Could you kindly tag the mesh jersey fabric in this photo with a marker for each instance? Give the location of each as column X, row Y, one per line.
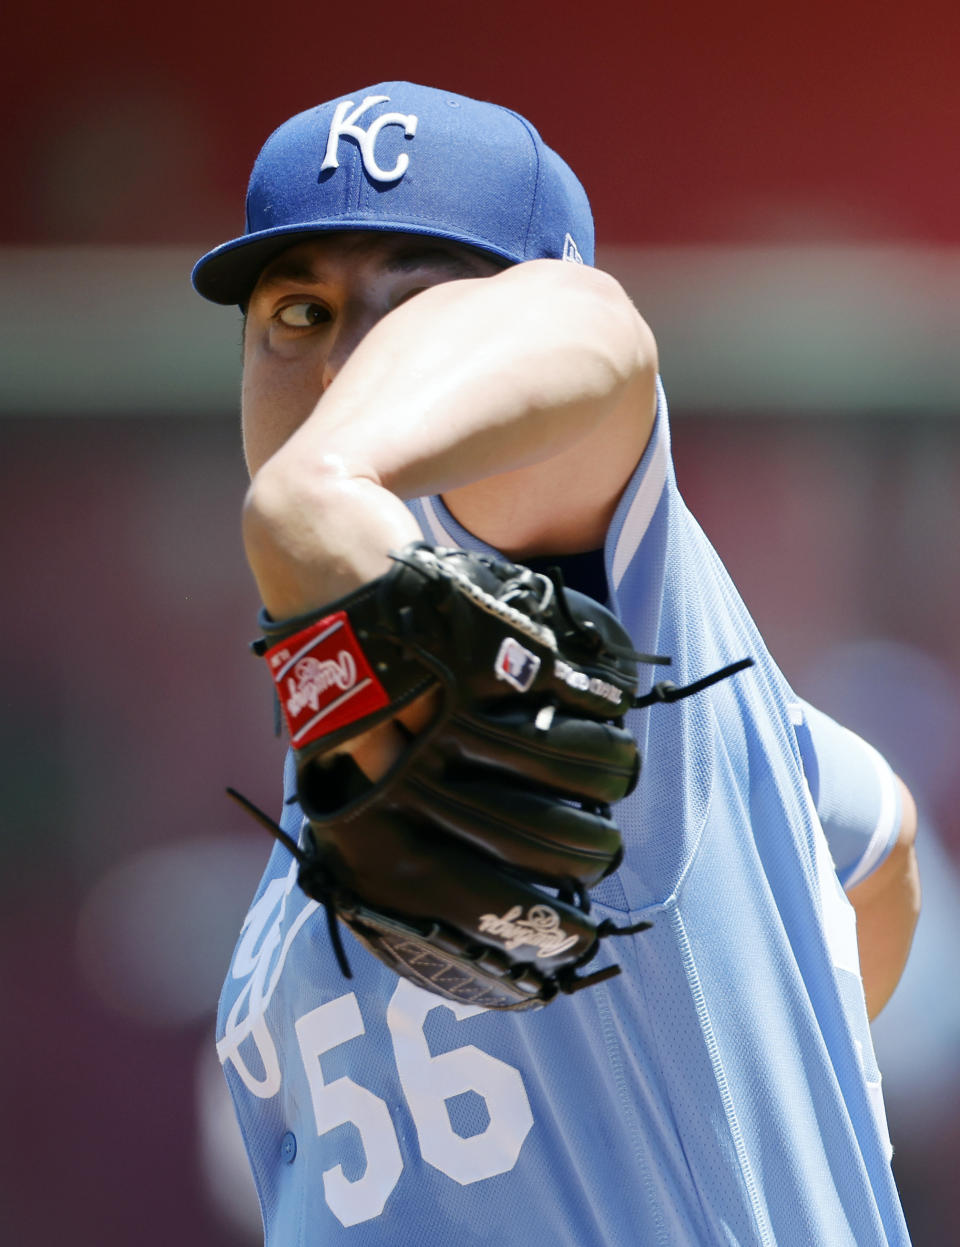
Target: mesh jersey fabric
column 722, row 1090
column 853, row 787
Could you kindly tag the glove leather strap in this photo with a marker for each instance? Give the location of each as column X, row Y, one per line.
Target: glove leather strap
column 324, row 679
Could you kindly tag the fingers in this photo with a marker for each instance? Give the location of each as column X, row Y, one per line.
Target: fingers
column 376, row 751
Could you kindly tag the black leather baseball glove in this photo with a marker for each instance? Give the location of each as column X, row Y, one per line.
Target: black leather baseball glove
column 466, row 868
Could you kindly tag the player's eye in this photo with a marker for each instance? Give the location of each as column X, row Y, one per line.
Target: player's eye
column 303, row 315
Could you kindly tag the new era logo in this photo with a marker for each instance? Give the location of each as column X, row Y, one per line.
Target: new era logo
column 571, row 252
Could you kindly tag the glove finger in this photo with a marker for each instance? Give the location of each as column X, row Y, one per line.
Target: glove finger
column 547, row 839
column 399, row 867
column 595, row 671
column 578, row 757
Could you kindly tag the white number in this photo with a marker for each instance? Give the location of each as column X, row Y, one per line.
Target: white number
column 345, row 1101
column 429, row 1081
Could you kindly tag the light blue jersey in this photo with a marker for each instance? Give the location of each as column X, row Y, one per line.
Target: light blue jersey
column 722, row 1090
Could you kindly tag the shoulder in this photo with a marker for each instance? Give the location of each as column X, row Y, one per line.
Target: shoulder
column 864, row 808
column 565, row 502
column 598, row 296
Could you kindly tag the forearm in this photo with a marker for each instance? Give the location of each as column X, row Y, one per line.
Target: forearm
column 474, row 378
column 466, row 381
column 887, row 906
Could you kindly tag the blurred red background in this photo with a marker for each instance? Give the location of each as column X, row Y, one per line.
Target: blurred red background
column 687, row 122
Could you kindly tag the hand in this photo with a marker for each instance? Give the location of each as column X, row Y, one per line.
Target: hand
column 376, row 751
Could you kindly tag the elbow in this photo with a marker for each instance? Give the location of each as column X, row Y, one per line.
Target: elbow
column 287, row 507
column 267, row 523
column 265, row 512
column 314, row 532
column 292, row 485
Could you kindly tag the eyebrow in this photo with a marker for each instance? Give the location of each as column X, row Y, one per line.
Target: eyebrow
column 405, row 260
column 414, row 257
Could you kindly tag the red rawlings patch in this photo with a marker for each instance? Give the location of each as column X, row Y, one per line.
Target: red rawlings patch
column 323, row 679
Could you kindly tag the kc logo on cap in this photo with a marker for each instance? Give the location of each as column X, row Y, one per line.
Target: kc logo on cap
column 344, row 124
column 464, row 170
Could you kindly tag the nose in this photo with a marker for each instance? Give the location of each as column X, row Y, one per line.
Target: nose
column 351, row 328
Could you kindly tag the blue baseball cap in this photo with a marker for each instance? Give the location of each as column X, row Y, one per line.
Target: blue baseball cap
column 408, row 159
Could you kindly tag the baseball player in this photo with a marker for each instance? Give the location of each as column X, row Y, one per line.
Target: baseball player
column 430, row 356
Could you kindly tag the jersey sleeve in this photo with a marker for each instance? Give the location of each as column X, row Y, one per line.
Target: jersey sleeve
column 854, row 790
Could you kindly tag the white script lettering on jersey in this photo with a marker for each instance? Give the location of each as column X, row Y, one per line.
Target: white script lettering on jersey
column 312, row 677
column 540, row 929
column 268, row 931
column 344, row 124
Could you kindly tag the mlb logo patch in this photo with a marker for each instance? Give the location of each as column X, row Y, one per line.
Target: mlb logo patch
column 516, row 665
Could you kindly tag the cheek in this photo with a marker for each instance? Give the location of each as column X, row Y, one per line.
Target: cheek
column 276, row 397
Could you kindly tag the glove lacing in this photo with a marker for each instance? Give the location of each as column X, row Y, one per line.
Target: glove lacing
column 330, row 897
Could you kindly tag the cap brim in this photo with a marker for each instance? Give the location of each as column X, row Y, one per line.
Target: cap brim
column 228, row 273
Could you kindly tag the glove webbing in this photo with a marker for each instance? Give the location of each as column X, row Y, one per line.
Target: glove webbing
column 665, row 691
column 498, row 607
column 331, row 898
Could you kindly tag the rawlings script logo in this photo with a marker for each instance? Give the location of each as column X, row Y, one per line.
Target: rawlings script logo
column 587, row 684
column 311, row 678
column 345, row 123
column 540, row 929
